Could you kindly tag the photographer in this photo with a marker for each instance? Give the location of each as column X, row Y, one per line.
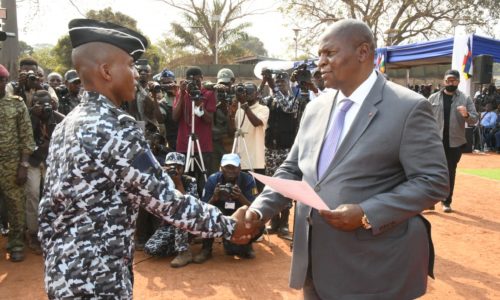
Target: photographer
column 228, row 189
column 69, row 93
column 251, row 119
column 169, row 88
column 43, row 121
column 221, row 137
column 191, row 91
column 30, row 80
column 145, row 108
column 168, row 239
column 280, row 135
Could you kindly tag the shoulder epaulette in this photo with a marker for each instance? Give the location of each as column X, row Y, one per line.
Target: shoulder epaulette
column 15, row 97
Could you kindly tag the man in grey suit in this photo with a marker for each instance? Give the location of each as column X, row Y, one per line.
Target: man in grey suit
column 389, row 166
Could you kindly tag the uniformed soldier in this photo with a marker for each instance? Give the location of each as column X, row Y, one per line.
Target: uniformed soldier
column 16, row 145
column 100, row 170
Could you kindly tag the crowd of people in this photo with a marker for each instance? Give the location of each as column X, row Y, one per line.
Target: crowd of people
column 206, row 136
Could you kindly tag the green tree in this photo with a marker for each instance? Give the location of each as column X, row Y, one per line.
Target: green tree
column 47, row 60
column 393, row 22
column 63, row 48
column 204, row 34
column 25, row 49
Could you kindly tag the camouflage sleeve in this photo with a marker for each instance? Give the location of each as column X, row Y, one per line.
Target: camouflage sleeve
column 127, row 160
column 25, row 131
column 287, row 103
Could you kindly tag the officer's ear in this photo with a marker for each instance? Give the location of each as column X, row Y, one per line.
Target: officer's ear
column 104, row 70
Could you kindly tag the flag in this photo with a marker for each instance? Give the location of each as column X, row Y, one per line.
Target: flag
column 467, row 61
column 380, row 60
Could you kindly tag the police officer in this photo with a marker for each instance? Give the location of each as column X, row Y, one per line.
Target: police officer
column 16, row 145
column 100, row 170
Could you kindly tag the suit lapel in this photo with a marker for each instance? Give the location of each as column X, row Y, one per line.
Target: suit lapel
column 323, row 119
column 363, row 119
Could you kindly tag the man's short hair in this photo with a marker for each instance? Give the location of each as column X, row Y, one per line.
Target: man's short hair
column 28, row 61
column 193, row 71
column 54, row 74
column 41, row 93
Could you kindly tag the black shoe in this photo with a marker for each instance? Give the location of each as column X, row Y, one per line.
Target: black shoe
column 16, row 256
column 249, row 254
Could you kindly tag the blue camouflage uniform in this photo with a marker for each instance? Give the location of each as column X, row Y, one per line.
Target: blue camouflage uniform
column 100, row 170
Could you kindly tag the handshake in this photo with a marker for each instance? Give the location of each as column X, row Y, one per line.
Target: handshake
column 248, row 226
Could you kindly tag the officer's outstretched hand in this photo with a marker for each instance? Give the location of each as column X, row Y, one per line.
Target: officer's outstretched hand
column 244, row 230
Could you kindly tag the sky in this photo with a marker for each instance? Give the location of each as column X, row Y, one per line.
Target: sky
column 153, row 17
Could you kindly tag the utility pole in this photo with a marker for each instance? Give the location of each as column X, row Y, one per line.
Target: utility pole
column 296, row 39
column 9, row 53
column 216, row 19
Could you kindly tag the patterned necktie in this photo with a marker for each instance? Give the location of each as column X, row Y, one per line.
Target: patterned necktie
column 332, row 139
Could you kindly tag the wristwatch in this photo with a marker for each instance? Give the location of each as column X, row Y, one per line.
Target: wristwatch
column 24, row 164
column 366, row 222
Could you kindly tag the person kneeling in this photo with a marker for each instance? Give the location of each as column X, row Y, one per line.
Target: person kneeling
column 228, row 190
column 168, row 239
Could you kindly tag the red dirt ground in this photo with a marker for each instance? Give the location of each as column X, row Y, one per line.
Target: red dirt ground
column 466, row 241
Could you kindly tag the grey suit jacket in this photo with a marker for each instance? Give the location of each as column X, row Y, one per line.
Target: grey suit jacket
column 392, row 163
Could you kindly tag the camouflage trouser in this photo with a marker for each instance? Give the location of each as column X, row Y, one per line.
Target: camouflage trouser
column 274, row 159
column 166, row 241
column 14, row 200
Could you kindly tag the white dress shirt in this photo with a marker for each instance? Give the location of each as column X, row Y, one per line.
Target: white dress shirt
column 358, row 97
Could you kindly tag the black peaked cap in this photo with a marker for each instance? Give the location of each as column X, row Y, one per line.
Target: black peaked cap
column 82, row 31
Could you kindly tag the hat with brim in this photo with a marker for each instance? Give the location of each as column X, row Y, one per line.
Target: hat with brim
column 452, row 73
column 175, row 158
column 232, row 159
column 71, row 76
column 82, row 31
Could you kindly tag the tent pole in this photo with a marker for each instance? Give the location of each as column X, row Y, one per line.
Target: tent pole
column 407, row 76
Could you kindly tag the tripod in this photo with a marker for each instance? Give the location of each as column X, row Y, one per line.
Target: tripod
column 239, row 137
column 193, row 142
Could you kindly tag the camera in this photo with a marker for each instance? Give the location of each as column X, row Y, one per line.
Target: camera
column 32, row 76
column 240, row 89
column 47, row 108
column 193, row 89
column 226, row 189
column 156, row 87
column 61, row 91
column 302, row 74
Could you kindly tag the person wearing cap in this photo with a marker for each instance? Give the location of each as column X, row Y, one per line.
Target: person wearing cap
column 16, row 145
column 101, row 170
column 73, row 95
column 228, row 189
column 43, row 121
column 168, row 239
column 169, row 88
column 452, row 109
column 204, row 108
column 221, row 138
column 280, row 133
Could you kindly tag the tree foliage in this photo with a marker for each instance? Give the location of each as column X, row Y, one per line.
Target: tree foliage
column 394, row 22
column 204, row 35
column 25, row 49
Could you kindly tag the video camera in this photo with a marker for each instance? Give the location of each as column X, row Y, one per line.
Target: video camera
column 61, row 91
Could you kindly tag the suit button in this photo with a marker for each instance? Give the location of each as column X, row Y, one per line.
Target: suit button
column 317, row 188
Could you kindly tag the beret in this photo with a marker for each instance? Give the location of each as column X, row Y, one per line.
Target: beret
column 82, row 31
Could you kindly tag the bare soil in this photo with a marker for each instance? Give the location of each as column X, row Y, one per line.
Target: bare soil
column 466, row 241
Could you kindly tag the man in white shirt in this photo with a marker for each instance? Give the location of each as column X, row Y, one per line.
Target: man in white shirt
column 249, row 122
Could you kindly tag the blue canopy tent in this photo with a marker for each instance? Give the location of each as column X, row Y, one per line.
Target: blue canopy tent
column 435, row 52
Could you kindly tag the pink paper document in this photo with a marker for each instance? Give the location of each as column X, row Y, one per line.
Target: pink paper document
column 293, row 189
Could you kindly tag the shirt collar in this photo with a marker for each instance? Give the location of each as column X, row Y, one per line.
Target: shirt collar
column 360, row 93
